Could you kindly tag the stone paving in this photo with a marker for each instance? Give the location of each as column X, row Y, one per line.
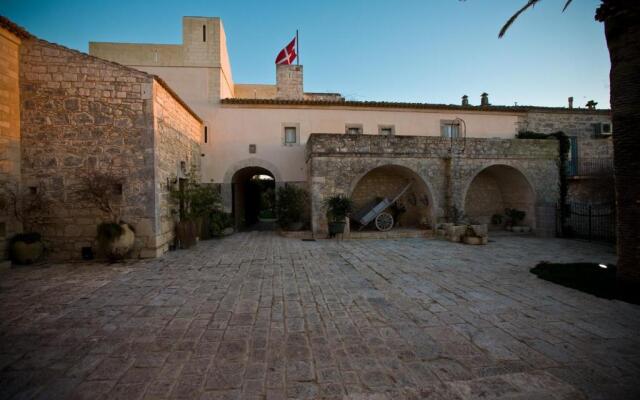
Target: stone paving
column 258, row 316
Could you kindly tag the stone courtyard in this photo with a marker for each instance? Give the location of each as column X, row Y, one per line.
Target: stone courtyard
column 257, row 316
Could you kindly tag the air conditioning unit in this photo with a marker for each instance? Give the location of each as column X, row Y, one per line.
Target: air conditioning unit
column 603, row 129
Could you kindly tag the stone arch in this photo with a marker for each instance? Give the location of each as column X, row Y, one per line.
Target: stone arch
column 249, row 164
column 252, row 162
column 387, row 179
column 492, row 188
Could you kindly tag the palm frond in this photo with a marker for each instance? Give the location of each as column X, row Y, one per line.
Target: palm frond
column 530, row 3
column 566, row 5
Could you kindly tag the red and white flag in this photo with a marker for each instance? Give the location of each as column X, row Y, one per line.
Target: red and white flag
column 288, row 54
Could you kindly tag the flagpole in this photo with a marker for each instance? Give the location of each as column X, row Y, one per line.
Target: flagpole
column 297, row 49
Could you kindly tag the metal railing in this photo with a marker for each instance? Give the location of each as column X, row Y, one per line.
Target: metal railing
column 589, row 221
column 596, row 166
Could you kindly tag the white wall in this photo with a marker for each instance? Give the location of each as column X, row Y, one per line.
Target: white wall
column 232, row 128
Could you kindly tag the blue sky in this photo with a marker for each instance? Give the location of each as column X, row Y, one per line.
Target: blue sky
column 410, row 50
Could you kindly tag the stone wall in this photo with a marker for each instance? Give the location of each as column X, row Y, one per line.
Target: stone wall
column 178, row 136
column 81, row 113
column 337, row 162
column 289, row 84
column 9, row 132
column 576, row 122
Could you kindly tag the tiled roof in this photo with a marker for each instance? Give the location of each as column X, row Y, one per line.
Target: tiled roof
column 414, row 106
column 14, row 28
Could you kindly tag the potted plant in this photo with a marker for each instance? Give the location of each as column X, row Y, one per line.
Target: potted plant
column 476, row 234
column 103, row 189
column 291, row 207
column 30, row 209
column 196, row 202
column 456, row 227
column 338, row 209
column 514, row 218
column 496, row 219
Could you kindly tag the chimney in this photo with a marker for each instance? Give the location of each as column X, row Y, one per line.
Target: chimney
column 465, row 100
column 484, row 99
column 289, row 82
column 571, row 102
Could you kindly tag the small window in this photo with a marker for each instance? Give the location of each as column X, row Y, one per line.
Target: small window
column 33, row 190
column 204, row 33
column 387, row 130
column 3, row 229
column 450, row 129
column 206, row 136
column 117, row 189
column 252, row 148
column 606, row 127
column 290, row 135
column 353, row 129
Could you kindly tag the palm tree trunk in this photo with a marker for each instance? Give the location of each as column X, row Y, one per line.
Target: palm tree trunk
column 622, row 30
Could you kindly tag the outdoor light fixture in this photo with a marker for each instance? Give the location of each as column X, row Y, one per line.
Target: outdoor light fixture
column 602, row 266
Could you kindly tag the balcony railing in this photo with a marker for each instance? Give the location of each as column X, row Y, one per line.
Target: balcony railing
column 602, row 166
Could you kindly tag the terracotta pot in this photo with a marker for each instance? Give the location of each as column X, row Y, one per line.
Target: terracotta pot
column 26, row 253
column 121, row 246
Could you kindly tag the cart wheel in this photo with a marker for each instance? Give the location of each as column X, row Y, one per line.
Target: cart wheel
column 384, row 222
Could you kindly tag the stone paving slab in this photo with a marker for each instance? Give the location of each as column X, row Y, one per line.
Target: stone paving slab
column 259, row 316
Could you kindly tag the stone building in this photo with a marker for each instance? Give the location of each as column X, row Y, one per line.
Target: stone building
column 80, row 113
column 122, row 106
column 11, row 37
column 274, row 129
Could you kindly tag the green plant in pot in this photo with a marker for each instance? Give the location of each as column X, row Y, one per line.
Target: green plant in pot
column 514, row 218
column 30, row 208
column 197, row 205
column 291, row 207
column 103, row 189
column 338, row 209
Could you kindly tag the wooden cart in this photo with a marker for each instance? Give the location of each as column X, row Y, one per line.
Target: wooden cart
column 383, row 220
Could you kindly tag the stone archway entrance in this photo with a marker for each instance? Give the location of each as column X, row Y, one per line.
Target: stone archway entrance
column 414, row 208
column 253, row 197
column 496, row 188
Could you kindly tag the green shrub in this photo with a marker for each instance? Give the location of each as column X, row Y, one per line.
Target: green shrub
column 218, row 221
column 291, row 205
column 515, row 216
column 338, row 208
column 267, row 214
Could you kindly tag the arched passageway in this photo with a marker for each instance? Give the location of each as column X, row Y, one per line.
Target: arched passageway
column 253, row 196
column 413, row 209
column 495, row 189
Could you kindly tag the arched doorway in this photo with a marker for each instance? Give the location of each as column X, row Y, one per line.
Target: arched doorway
column 414, row 209
column 253, row 198
column 495, row 189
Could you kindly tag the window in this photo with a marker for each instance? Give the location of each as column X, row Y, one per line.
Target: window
column 204, row 33
column 290, row 135
column 387, row 130
column 252, row 148
column 450, row 129
column 206, row 136
column 353, row 129
column 33, row 190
